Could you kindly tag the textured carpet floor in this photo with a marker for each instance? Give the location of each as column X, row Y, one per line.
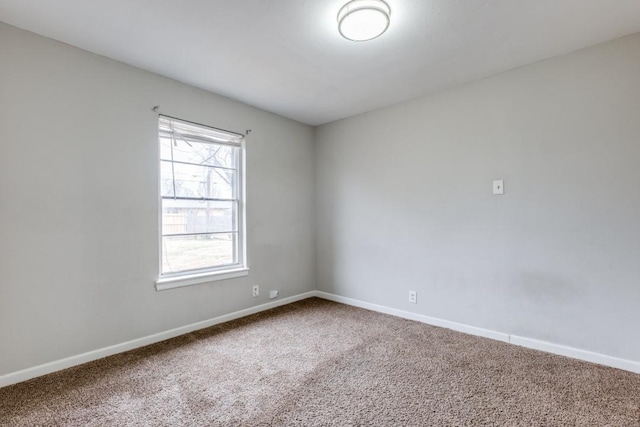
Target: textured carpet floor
column 318, row 363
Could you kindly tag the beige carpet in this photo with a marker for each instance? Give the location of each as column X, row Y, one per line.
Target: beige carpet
column 317, row 363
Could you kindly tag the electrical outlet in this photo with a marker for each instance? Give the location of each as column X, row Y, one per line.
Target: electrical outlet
column 256, row 290
column 413, row 297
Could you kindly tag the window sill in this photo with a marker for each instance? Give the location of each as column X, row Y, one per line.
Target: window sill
column 165, row 283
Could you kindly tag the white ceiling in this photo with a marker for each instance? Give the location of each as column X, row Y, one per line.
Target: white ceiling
column 286, row 56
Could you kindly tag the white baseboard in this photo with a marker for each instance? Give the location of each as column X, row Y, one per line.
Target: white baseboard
column 460, row 327
column 575, row 353
column 58, row 365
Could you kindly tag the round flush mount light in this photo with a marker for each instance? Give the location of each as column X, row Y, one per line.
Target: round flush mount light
column 362, row 20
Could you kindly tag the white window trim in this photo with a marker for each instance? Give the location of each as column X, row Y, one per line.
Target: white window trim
column 172, row 282
column 189, row 278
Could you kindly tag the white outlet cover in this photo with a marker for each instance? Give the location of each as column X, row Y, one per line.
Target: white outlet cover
column 498, row 187
column 413, row 297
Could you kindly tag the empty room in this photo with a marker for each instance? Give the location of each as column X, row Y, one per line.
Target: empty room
column 320, row 213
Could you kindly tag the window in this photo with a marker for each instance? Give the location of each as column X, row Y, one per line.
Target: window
column 202, row 204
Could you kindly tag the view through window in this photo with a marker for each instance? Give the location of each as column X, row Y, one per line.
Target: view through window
column 201, row 188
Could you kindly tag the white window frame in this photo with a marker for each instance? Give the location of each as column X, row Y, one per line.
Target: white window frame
column 194, row 277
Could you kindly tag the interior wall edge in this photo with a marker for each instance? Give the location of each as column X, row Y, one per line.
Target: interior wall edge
column 69, row 362
column 547, row 347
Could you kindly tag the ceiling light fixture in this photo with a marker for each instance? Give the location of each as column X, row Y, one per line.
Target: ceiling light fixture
column 362, row 20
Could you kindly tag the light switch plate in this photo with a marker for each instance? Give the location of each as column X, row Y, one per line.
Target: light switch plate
column 498, row 187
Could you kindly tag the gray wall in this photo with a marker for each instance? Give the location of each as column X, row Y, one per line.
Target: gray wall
column 79, row 243
column 404, row 202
